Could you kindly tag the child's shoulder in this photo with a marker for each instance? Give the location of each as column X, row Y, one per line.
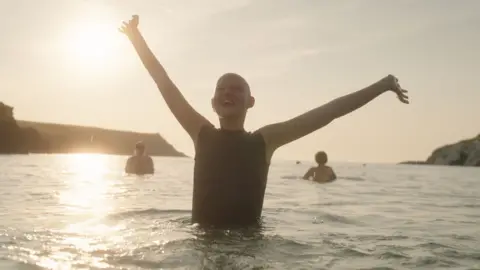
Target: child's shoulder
column 325, row 168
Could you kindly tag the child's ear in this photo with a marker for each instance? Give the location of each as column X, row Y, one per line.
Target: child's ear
column 251, row 102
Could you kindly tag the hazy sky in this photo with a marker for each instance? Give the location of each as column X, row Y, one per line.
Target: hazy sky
column 64, row 62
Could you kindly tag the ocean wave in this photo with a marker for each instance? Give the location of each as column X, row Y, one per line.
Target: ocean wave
column 8, row 263
column 397, row 218
column 297, row 177
column 228, row 251
column 150, row 212
column 393, row 255
column 338, row 203
column 351, row 178
column 291, row 177
column 324, row 216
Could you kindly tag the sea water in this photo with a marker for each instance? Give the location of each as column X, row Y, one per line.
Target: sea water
column 81, row 212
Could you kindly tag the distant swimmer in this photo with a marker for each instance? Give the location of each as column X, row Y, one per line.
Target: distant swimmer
column 321, row 173
column 231, row 164
column 139, row 163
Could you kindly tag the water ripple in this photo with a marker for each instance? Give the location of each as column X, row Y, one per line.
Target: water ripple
column 80, row 212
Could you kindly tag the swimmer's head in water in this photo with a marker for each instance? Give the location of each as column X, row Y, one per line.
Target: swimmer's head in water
column 139, row 148
column 321, row 158
column 232, row 96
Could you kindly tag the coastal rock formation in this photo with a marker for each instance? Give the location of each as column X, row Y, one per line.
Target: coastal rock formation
column 413, row 162
column 6, row 113
column 9, row 131
column 13, row 138
column 81, row 139
column 23, row 137
column 463, row 153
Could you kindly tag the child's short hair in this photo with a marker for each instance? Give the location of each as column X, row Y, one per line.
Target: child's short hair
column 321, row 157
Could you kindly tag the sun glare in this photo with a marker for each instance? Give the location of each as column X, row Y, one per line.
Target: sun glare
column 93, row 43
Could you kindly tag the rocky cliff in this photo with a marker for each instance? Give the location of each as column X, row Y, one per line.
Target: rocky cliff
column 81, row 139
column 462, row 153
column 15, row 139
column 31, row 137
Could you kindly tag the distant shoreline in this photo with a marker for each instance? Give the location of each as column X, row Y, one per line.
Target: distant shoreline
column 464, row 153
column 87, row 153
column 29, row 137
column 72, row 139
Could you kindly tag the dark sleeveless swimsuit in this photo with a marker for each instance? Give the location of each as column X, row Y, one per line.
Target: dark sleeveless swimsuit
column 230, row 176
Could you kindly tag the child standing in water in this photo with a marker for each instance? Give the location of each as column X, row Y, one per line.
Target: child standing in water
column 231, row 164
column 322, row 173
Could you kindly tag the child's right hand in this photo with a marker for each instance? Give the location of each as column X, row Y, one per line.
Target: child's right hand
column 130, row 27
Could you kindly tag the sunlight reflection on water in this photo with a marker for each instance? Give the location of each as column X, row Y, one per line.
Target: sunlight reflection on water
column 86, row 196
column 81, row 212
column 86, row 187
